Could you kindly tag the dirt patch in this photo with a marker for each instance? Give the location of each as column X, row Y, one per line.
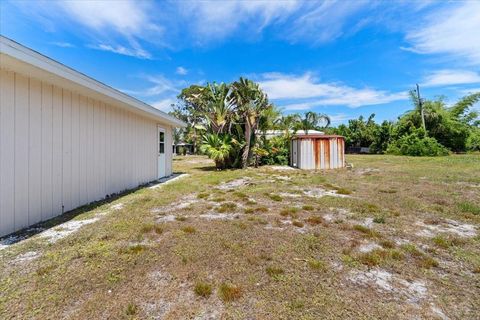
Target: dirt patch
column 336, row 214
column 382, row 280
column 234, row 184
column 366, row 171
column 219, row 216
column 368, row 246
column 282, row 168
column 65, row 229
column 447, row 226
column 320, row 192
column 117, row 206
column 166, row 218
column 26, row 257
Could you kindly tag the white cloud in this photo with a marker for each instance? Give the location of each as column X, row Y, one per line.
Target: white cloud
column 161, row 86
column 164, row 104
column 451, row 77
column 126, row 17
column 63, row 44
column 307, row 92
column 452, row 31
column 325, row 21
column 213, row 20
column 181, row 71
column 132, row 52
column 105, row 23
column 339, row 118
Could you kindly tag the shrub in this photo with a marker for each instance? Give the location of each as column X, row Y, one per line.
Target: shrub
column 227, row 207
column 297, row 223
column 228, row 292
column 203, row 289
column 315, row 220
column 417, row 144
column 274, row 271
column 379, row 219
column 473, row 141
column 131, row 310
column 189, row 229
column 307, row 208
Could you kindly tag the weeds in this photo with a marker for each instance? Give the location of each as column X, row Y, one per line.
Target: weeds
column 227, row 207
column 274, row 271
column 189, row 229
column 308, row 208
column 314, row 220
column 228, row 292
column 298, row 224
column 203, row 289
column 132, row 309
column 469, row 207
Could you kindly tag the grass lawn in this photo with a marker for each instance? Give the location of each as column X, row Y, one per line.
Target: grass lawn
column 393, row 238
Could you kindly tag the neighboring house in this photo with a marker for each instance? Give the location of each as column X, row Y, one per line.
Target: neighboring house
column 276, row 133
column 67, row 140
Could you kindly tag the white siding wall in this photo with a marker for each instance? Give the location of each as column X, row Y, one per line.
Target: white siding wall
column 60, row 150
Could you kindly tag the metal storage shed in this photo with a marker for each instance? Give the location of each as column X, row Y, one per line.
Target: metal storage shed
column 314, row 151
column 67, row 140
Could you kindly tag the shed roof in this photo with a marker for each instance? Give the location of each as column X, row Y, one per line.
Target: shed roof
column 316, row 136
column 18, row 58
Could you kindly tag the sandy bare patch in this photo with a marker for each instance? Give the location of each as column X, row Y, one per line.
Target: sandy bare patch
column 166, row 180
column 382, row 280
column 219, row 216
column 282, row 168
column 166, row 218
column 448, row 226
column 367, row 222
column 26, row 257
column 368, row 246
column 181, row 204
column 284, row 178
column 117, row 206
column 336, row 214
column 290, row 195
column 320, row 192
column 234, row 184
column 65, row 229
column 366, row 171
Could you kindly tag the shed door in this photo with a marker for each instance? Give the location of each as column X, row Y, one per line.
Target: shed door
column 294, row 153
column 161, row 152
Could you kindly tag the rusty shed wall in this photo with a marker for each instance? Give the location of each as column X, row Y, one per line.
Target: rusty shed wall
column 321, row 153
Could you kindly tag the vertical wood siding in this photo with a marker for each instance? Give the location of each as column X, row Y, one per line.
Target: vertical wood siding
column 60, row 150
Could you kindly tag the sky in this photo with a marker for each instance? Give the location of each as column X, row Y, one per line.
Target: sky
column 342, row 58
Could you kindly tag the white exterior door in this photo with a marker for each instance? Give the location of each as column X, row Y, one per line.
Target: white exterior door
column 294, row 153
column 161, row 152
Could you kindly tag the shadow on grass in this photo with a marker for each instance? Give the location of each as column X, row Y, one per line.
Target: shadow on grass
column 37, row 228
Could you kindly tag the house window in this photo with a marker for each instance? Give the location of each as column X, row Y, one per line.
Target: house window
column 161, row 142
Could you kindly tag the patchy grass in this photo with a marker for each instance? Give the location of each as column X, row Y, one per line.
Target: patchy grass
column 227, row 207
column 469, row 207
column 408, row 219
column 275, row 197
column 189, row 229
column 229, row 292
column 203, row 289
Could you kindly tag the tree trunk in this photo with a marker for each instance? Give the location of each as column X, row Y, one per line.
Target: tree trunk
column 246, row 149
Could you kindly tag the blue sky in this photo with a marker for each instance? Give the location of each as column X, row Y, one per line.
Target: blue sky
column 342, row 58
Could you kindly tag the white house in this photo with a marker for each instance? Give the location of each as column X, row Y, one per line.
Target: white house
column 67, row 140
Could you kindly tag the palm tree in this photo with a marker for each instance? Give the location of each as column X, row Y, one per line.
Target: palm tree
column 312, row 120
column 251, row 103
column 218, row 148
